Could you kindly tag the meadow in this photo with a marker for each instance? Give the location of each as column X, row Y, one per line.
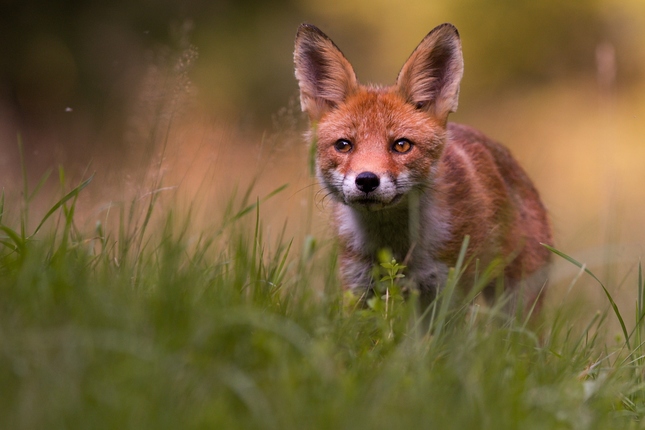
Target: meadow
column 151, row 320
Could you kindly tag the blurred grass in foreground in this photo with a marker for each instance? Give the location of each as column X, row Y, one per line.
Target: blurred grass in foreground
column 155, row 325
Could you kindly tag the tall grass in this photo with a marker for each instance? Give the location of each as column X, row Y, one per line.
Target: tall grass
column 155, row 325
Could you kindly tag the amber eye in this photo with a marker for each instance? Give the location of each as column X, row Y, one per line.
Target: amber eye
column 402, row 146
column 343, row 145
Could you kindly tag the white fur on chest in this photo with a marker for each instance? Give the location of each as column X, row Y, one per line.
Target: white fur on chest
column 363, row 234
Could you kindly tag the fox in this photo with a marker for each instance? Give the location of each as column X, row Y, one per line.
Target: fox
column 400, row 177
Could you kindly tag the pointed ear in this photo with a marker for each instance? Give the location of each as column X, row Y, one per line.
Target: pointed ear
column 324, row 75
column 430, row 78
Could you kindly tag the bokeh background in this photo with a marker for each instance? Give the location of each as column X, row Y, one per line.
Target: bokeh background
column 197, row 99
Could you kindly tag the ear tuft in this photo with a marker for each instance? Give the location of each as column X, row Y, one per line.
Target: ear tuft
column 430, row 78
column 324, row 75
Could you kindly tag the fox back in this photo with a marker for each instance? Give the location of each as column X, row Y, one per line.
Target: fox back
column 402, row 178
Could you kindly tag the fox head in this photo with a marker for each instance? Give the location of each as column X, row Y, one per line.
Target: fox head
column 376, row 144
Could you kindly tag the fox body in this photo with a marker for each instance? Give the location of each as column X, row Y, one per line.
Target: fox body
column 402, row 178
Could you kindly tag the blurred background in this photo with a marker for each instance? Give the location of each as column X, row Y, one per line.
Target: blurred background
column 198, row 98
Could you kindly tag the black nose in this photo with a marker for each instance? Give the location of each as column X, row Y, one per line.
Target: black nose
column 367, row 181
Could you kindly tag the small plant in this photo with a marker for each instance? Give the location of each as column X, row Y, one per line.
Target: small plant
column 393, row 272
column 387, row 273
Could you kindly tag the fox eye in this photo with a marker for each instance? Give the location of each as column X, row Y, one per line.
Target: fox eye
column 343, row 145
column 402, row 146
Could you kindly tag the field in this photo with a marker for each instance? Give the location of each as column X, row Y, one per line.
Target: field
column 151, row 320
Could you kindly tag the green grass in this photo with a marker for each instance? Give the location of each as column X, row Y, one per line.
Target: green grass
column 155, row 325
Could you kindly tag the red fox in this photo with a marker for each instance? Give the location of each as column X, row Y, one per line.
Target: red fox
column 402, row 178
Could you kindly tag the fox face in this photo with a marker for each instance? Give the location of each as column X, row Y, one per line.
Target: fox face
column 375, row 148
column 402, row 177
column 376, row 144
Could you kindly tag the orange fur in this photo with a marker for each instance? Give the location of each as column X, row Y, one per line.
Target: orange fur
column 401, row 177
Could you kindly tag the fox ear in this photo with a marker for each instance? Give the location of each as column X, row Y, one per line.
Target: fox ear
column 324, row 75
column 430, row 78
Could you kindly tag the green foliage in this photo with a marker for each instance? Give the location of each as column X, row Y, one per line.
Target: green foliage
column 159, row 326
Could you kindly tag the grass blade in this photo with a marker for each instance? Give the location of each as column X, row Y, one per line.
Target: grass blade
column 451, row 285
column 25, row 191
column 39, row 185
column 15, row 237
column 249, row 207
column 641, row 291
column 61, row 202
column 589, row 272
column 1, row 205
